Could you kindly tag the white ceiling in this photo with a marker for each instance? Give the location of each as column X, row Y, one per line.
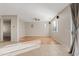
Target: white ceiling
column 28, row 11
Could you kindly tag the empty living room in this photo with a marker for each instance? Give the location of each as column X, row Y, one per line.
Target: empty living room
column 39, row 29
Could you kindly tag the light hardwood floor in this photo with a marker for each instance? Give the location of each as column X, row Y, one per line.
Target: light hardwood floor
column 44, row 39
column 49, row 47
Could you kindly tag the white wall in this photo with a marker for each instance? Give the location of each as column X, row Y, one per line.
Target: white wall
column 21, row 28
column 38, row 29
column 14, row 28
column 63, row 35
column 0, row 29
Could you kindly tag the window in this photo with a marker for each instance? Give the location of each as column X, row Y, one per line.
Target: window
column 55, row 25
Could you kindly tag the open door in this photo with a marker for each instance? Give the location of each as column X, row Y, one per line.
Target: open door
column 6, row 30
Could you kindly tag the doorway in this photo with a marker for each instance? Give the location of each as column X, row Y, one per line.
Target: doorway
column 6, row 30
